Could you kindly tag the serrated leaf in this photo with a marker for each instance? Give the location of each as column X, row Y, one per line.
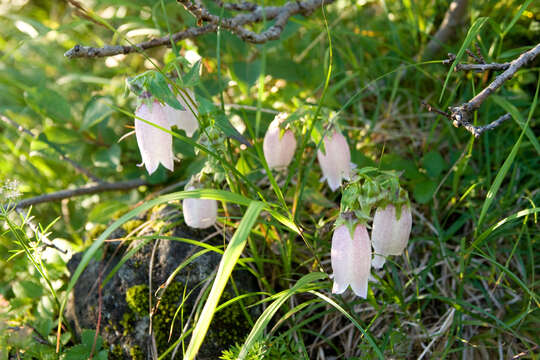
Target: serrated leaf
column 192, row 78
column 159, row 88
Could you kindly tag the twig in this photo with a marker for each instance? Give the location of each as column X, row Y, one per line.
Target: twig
column 280, row 14
column 243, row 6
column 475, row 67
column 454, row 17
column 53, row 146
column 475, row 130
column 84, row 190
column 460, row 115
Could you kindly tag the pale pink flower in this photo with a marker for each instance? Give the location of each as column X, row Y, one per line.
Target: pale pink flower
column 351, row 260
column 336, row 161
column 184, row 119
column 278, row 149
column 390, row 235
column 155, row 144
column 199, row 213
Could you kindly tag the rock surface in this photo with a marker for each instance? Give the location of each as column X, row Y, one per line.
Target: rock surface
column 125, row 320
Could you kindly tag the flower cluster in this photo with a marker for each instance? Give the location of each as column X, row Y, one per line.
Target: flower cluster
column 351, row 252
column 334, row 156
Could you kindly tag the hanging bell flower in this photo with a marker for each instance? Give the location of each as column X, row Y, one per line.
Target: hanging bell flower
column 184, row 119
column 199, row 213
column 351, row 260
column 336, row 160
column 390, row 235
column 155, row 144
column 278, row 148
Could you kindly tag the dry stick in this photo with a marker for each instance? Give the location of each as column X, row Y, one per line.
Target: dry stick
column 63, row 156
column 88, row 189
column 460, row 115
column 280, row 14
column 454, row 17
column 475, row 67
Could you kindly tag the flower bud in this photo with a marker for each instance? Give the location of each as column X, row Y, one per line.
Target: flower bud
column 390, row 235
column 351, row 260
column 155, row 144
column 336, row 160
column 278, row 149
column 184, row 119
column 199, row 213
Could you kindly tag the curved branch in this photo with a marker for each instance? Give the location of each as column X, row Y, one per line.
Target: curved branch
column 236, row 25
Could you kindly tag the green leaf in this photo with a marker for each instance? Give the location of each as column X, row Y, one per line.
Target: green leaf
column 97, row 110
column 223, row 123
column 433, row 163
column 61, row 135
column 107, row 157
column 471, row 34
column 48, row 103
column 103, row 212
column 159, row 88
column 192, row 78
column 423, row 191
column 27, row 289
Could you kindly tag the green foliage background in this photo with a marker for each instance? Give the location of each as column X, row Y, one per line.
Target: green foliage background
column 462, row 267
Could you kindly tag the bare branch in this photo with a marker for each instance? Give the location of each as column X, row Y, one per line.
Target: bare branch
column 454, row 17
column 53, row 146
column 243, row 6
column 84, row 190
column 482, row 66
column 236, row 25
column 475, row 130
column 461, row 114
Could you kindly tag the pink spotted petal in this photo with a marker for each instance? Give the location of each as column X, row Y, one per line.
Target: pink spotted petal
column 278, row 150
column 184, row 119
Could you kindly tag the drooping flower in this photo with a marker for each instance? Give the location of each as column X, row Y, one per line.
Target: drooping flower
column 351, row 260
column 278, row 149
column 155, row 144
column 336, row 160
column 199, row 213
column 390, row 235
column 184, row 119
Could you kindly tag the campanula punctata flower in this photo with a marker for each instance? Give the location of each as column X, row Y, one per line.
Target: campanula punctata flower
column 184, row 119
column 336, row 160
column 155, row 144
column 351, row 259
column 199, row 213
column 390, row 235
column 278, row 148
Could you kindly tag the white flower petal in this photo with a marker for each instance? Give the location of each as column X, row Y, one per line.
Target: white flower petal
column 351, row 260
column 199, row 213
column 389, row 235
column 155, row 144
column 184, row 119
column 336, row 161
column 278, row 150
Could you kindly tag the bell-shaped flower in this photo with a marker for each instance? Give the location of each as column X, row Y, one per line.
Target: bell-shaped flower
column 155, row 144
column 336, row 160
column 390, row 235
column 278, row 148
column 184, row 119
column 351, row 260
column 199, row 213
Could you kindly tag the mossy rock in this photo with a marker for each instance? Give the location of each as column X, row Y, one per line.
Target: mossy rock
column 125, row 306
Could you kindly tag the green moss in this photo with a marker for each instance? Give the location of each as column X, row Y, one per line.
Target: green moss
column 131, row 225
column 136, row 353
column 116, row 353
column 96, row 231
column 229, row 325
column 137, row 299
